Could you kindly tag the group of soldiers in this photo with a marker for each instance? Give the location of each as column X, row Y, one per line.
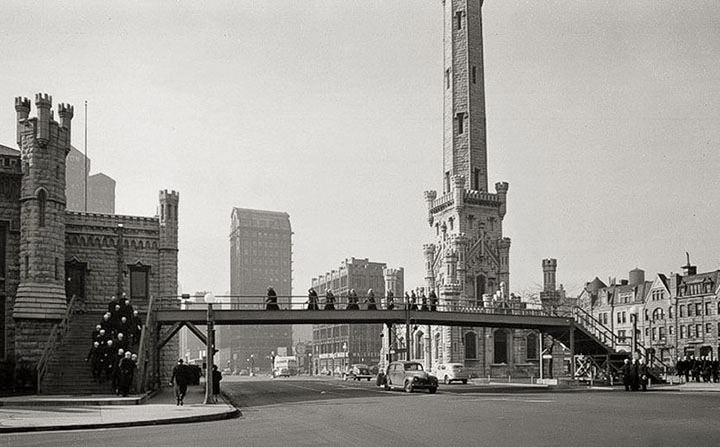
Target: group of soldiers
column 114, row 340
column 414, row 301
column 705, row 368
column 635, row 374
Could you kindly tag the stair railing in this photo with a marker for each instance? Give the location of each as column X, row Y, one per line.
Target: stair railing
column 57, row 333
column 591, row 324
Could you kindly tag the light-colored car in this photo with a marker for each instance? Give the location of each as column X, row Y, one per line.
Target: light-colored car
column 452, row 372
column 408, row 375
column 358, row 371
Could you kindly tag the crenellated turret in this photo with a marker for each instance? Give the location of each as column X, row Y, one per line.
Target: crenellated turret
column 502, row 188
column 43, row 104
column 430, row 196
column 43, row 147
column 66, row 113
column 22, row 107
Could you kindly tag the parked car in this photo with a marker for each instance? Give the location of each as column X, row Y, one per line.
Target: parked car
column 358, row 371
column 408, row 375
column 452, row 372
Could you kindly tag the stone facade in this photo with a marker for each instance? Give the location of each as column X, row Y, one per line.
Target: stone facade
column 52, row 254
column 470, row 257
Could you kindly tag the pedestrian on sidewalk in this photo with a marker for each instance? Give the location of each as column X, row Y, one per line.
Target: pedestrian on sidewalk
column 179, row 379
column 626, row 373
column 216, row 378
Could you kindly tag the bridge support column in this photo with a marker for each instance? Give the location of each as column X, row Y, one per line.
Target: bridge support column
column 572, row 349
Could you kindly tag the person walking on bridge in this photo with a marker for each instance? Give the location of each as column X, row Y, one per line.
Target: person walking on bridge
column 271, row 300
column 371, row 300
column 312, row 302
column 390, row 300
column 329, row 300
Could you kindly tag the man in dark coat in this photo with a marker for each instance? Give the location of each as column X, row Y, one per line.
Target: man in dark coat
column 216, row 378
column 433, row 301
column 271, row 300
column 634, row 377
column 126, row 371
column 390, row 300
column 625, row 370
column 180, row 380
column 642, row 374
column 312, row 299
column 371, row 300
column 93, row 358
column 329, row 300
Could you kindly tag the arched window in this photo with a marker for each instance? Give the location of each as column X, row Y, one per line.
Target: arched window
column 531, row 342
column 470, row 345
column 501, row 346
column 419, row 345
column 42, row 204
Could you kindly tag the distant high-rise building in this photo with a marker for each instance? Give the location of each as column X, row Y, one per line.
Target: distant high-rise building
column 336, row 346
column 260, row 256
column 100, row 187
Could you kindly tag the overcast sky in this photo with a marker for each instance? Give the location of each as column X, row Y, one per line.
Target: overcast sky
column 604, row 117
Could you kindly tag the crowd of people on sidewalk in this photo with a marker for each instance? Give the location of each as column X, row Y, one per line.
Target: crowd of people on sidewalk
column 115, row 339
column 705, row 369
column 413, row 301
column 635, row 374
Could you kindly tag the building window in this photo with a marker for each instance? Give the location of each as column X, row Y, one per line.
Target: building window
column 661, row 333
column 139, row 282
column 690, row 310
column 476, row 179
column 532, row 346
column 683, row 314
column 708, row 328
column 698, row 330
column 708, row 308
column 460, row 117
column 437, row 347
column 42, row 204
column 500, row 346
column 474, row 74
column 447, row 78
column 458, row 20
column 470, row 345
column 698, row 309
column 419, row 345
column 3, row 330
column 622, row 336
column 682, row 331
column 670, row 312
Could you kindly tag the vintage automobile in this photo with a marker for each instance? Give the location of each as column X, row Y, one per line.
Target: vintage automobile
column 408, row 375
column 452, row 372
column 358, row 371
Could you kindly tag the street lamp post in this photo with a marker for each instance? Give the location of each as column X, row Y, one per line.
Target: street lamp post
column 633, row 320
column 209, row 299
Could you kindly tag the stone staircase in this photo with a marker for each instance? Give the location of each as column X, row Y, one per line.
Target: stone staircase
column 67, row 371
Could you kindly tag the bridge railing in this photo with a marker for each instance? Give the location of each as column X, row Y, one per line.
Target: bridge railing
column 342, row 302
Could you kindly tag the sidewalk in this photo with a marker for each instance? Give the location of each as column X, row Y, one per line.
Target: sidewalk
column 44, row 413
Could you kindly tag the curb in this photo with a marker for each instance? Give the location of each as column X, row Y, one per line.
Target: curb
column 235, row 413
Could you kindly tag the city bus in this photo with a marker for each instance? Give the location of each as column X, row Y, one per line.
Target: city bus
column 285, row 366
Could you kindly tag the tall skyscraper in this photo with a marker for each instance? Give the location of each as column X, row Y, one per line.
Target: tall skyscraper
column 260, row 256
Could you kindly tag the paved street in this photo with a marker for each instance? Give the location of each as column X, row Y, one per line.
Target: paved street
column 326, row 411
